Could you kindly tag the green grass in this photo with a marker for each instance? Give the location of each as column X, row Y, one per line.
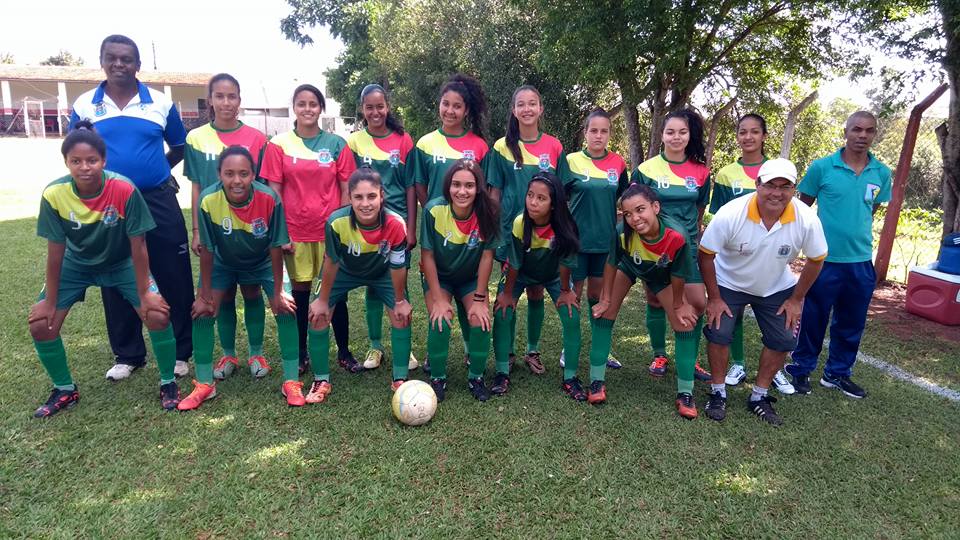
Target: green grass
column 532, row 464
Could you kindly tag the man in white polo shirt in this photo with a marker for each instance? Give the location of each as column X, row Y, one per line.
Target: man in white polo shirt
column 745, row 257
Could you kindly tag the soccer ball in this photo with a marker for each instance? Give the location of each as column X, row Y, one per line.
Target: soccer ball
column 414, row 403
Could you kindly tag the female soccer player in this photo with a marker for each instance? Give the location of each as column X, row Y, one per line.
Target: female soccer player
column 94, row 221
column 681, row 179
column 457, row 238
column 523, row 152
column 366, row 247
column 200, row 161
column 463, row 118
column 242, row 230
column 542, row 250
column 308, row 168
column 594, row 178
column 654, row 249
column 384, row 146
column 736, row 180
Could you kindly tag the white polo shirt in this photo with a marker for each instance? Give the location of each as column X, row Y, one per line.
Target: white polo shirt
column 753, row 260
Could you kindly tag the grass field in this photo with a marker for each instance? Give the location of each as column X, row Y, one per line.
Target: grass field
column 530, row 465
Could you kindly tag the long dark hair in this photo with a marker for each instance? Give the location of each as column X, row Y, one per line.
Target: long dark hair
column 83, row 133
column 634, row 190
column 695, row 150
column 484, row 206
column 566, row 236
column 393, row 123
column 763, row 127
column 366, row 174
column 512, row 136
column 214, row 80
column 472, row 94
column 599, row 112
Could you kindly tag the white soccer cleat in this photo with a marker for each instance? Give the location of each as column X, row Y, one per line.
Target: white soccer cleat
column 181, row 368
column 120, row 371
column 782, row 383
column 735, row 375
column 412, row 364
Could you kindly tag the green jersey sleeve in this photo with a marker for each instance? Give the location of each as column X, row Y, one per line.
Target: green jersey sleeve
column 49, row 223
column 682, row 265
column 703, row 197
column 278, row 226
column 417, row 168
column 426, row 230
column 208, row 230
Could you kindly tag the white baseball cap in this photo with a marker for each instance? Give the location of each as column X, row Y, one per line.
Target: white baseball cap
column 778, row 168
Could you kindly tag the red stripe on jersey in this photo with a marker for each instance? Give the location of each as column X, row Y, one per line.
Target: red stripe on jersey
column 470, row 142
column 393, row 231
column 689, row 169
column 115, row 193
column 671, row 242
column 261, row 206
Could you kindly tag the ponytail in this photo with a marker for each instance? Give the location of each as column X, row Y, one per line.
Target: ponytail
column 512, row 136
column 695, row 150
column 393, row 123
column 472, row 94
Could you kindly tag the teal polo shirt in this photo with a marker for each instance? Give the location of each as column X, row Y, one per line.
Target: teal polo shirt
column 845, row 204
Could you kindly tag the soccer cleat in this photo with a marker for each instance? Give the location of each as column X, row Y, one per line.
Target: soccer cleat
column 782, row 384
column 396, row 384
column 169, row 395
column 293, row 391
column 735, row 375
column 304, row 364
column 563, row 358
column 716, row 408
column 532, row 359
column 574, row 389
column 613, row 363
column 181, row 368
column 501, row 384
column 225, row 367
column 259, row 367
column 801, row 383
column 412, row 364
column 201, row 392
column 763, row 408
column 120, row 371
column 686, row 406
column 58, row 401
column 659, row 365
column 349, row 363
column 425, row 366
column 701, row 374
column 478, row 389
column 373, row 359
column 597, row 393
column 439, row 388
column 319, row 390
column 845, row 385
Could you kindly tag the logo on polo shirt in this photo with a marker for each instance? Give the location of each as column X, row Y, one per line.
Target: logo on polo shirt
column 110, row 216
column 612, row 177
column 395, row 158
column 544, row 162
column 691, row 183
column 259, row 228
column 100, row 110
column 324, row 157
column 784, row 251
column 871, row 193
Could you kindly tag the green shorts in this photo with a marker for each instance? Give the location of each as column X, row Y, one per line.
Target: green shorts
column 654, row 286
column 456, row 290
column 224, row 277
column 589, row 265
column 381, row 287
column 74, row 280
column 553, row 287
column 693, row 276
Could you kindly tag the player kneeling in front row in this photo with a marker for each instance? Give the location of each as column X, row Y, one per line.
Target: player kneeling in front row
column 366, row 246
column 745, row 255
column 654, row 249
column 94, row 221
column 243, row 230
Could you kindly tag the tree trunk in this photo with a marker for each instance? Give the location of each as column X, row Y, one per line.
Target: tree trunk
column 658, row 109
column 950, row 12
column 712, row 136
column 631, row 117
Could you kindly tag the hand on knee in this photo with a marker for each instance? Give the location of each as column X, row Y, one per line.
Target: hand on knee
column 41, row 331
column 156, row 320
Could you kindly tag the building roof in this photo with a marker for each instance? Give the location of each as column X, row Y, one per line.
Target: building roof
column 95, row 75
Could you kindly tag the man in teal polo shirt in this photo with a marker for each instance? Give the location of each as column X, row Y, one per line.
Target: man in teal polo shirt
column 848, row 186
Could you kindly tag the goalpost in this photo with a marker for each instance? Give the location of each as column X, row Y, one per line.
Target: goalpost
column 34, row 123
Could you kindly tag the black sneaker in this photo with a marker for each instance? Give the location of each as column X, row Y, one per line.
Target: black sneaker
column 501, row 384
column 478, row 390
column 349, row 363
column 439, row 388
column 304, row 364
column 716, row 407
column 58, row 401
column 801, row 383
column 169, row 395
column 573, row 388
column 845, row 385
column 426, row 366
column 763, row 408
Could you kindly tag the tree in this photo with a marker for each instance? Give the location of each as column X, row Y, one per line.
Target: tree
column 950, row 12
column 6, row 58
column 62, row 58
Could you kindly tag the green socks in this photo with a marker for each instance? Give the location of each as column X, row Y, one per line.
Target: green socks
column 599, row 349
column 464, row 321
column 203, row 348
column 165, row 349
column 571, row 340
column 438, row 348
column 318, row 342
column 657, row 330
column 479, row 349
column 289, row 350
column 534, row 324
column 503, row 328
column 400, row 345
column 54, row 359
column 227, row 327
column 688, row 344
column 736, row 346
column 374, row 316
column 253, row 318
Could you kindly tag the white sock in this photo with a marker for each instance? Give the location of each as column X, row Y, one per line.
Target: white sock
column 722, row 388
column 758, row 392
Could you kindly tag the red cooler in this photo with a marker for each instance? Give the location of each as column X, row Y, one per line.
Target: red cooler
column 934, row 295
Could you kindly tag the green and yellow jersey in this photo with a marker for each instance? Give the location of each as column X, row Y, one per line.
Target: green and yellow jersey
column 388, row 156
column 655, row 262
column 456, row 243
column 205, row 143
column 366, row 253
column 593, row 185
column 240, row 235
column 540, row 263
column 735, row 180
column 436, row 151
column 683, row 189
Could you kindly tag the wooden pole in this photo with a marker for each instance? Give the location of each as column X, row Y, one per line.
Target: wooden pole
column 791, row 125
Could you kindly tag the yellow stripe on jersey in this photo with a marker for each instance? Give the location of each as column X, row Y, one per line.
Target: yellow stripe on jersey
column 638, row 249
column 581, row 165
column 528, row 159
column 734, row 176
column 446, row 225
column 659, row 170
column 62, row 198
column 363, row 145
column 354, row 237
column 536, row 242
column 221, row 213
column 435, row 144
column 206, row 140
column 293, row 146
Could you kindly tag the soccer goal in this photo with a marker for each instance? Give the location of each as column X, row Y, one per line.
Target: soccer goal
column 33, row 120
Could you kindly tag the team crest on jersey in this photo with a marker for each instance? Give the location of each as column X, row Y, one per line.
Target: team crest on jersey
column 783, row 251
column 383, row 249
column 324, row 157
column 395, row 158
column 110, row 215
column 544, row 163
column 612, row 177
column 691, row 183
column 259, row 227
column 663, row 261
column 469, row 154
column 474, row 239
column 100, row 110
